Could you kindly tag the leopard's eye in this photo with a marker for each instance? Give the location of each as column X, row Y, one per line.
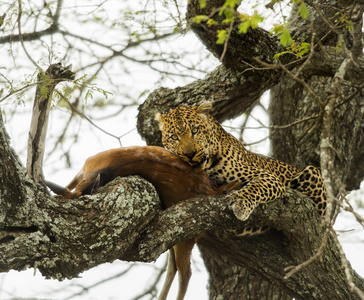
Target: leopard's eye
column 194, row 130
column 174, row 137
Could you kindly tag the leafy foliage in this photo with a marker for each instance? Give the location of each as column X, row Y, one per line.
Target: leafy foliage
column 91, row 88
column 200, row 18
column 221, row 36
column 249, row 22
column 283, row 32
column 202, row 3
column 299, row 50
column 302, row 8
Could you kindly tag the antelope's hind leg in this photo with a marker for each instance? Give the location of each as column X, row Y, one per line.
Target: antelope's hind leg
column 171, row 272
column 183, row 252
column 74, row 182
column 179, row 260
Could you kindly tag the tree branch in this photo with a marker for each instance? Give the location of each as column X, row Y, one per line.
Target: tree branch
column 36, row 35
column 39, row 124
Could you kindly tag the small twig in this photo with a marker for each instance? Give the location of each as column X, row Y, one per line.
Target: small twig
column 335, row 29
column 243, row 126
column 227, row 40
column 258, row 141
column 350, row 97
column 83, row 116
column 274, row 127
column 179, row 23
column 310, row 54
column 293, row 76
column 12, row 92
column 21, row 36
column 85, row 289
column 350, row 209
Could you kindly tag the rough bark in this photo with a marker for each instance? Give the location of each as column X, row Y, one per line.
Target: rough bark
column 13, row 174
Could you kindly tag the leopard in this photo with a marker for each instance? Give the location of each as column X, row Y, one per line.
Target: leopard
column 192, row 134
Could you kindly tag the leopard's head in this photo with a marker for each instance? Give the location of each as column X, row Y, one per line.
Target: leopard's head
column 186, row 132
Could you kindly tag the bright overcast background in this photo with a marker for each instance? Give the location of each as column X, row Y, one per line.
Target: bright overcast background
column 108, row 27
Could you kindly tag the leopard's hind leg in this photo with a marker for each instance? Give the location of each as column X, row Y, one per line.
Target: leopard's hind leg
column 309, row 182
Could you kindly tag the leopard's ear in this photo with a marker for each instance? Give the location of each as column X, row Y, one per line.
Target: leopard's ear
column 160, row 119
column 204, row 108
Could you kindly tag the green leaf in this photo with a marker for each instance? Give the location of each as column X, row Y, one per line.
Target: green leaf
column 221, row 36
column 285, row 37
column 211, row 22
column 88, row 95
column 249, row 21
column 106, row 94
column 227, row 21
column 302, row 8
column 228, row 8
column 303, row 49
column 202, row 3
column 231, row 3
column 256, row 19
column 278, row 55
column 277, row 28
column 244, row 26
column 199, row 18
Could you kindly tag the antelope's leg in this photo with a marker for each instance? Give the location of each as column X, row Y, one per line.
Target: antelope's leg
column 171, row 272
column 183, row 262
column 80, row 175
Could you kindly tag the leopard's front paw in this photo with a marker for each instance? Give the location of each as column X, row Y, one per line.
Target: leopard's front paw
column 242, row 208
column 241, row 211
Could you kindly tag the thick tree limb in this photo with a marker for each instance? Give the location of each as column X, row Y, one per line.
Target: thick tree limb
column 30, row 36
column 69, row 237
